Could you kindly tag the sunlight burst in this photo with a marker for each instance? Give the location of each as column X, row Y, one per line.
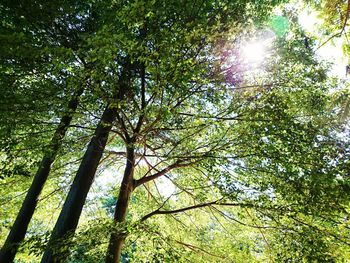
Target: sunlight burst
column 254, row 52
column 258, row 49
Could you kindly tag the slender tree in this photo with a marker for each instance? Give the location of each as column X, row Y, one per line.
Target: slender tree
column 35, row 70
column 72, row 208
column 179, row 79
column 20, row 226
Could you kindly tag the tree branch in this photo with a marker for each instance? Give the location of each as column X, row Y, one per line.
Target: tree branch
column 117, row 153
column 195, row 248
column 166, row 212
column 146, row 179
column 341, row 31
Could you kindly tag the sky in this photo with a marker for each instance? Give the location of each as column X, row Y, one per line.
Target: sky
column 332, row 50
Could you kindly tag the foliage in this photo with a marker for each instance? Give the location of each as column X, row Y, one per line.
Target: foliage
column 234, row 162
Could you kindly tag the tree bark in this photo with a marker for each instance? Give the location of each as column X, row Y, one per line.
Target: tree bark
column 20, row 226
column 127, row 186
column 72, row 208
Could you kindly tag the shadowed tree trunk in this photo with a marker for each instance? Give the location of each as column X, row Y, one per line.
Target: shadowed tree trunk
column 117, row 239
column 72, row 208
column 20, row 226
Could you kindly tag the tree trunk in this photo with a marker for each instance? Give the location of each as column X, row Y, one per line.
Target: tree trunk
column 70, row 213
column 20, row 226
column 117, row 239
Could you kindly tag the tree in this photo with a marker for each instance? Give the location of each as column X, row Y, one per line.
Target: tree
column 252, row 151
column 21, row 74
column 144, row 45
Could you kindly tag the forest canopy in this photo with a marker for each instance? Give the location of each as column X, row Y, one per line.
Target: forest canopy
column 173, row 131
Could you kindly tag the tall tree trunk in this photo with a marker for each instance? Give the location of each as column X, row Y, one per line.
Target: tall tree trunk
column 20, row 226
column 127, row 186
column 72, row 208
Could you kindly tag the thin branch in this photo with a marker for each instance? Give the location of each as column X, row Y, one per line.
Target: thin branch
column 146, row 179
column 165, row 212
column 117, row 153
column 341, row 31
column 194, row 248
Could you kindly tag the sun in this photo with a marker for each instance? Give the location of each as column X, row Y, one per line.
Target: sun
column 254, row 52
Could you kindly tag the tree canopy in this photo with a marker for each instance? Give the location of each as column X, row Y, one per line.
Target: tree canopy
column 155, row 131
